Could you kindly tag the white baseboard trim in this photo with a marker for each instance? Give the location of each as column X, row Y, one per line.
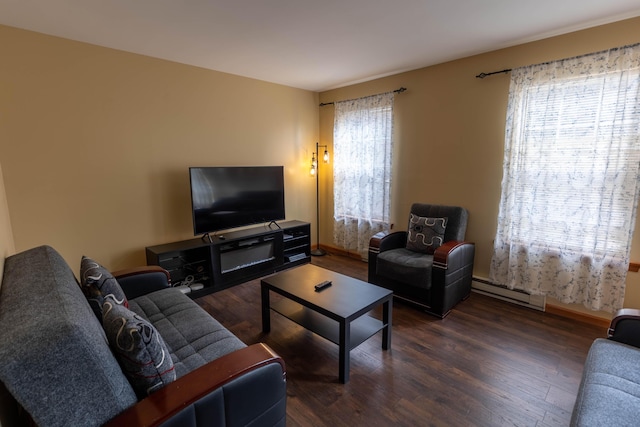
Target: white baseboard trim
column 484, row 286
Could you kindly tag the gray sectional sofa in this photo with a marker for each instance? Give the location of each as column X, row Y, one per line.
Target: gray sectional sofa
column 609, row 393
column 56, row 361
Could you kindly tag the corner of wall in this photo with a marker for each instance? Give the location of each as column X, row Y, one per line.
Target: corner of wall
column 7, row 246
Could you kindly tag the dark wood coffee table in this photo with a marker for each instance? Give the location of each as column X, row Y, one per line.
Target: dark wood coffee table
column 336, row 313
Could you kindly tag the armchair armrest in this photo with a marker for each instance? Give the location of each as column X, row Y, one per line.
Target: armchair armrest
column 453, row 254
column 198, row 384
column 625, row 327
column 142, row 280
column 451, row 274
column 385, row 240
column 144, row 269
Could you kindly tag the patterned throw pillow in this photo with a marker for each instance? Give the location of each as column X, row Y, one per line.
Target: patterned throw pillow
column 425, row 234
column 97, row 283
column 139, row 348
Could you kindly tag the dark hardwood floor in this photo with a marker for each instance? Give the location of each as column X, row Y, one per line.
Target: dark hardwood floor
column 489, row 363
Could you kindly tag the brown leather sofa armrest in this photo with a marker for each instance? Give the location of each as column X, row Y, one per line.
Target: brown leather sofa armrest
column 134, row 271
column 169, row 400
column 623, row 314
column 442, row 253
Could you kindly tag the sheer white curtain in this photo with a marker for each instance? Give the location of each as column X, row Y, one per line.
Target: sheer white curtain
column 570, row 179
column 362, row 145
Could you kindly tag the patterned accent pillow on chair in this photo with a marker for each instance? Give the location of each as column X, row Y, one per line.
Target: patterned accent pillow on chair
column 425, row 234
column 139, row 348
column 97, row 283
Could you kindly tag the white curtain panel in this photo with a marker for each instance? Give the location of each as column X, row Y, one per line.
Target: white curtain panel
column 362, row 145
column 570, row 179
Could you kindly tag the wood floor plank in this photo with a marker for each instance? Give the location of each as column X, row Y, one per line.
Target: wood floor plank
column 489, row 363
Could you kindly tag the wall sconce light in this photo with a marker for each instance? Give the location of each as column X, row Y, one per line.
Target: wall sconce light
column 314, row 172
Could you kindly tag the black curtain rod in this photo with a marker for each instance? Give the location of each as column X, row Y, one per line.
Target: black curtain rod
column 402, row 89
column 483, row 75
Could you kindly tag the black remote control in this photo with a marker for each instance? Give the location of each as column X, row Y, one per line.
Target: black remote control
column 323, row 285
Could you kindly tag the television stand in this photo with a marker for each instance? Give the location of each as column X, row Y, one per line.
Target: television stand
column 219, row 262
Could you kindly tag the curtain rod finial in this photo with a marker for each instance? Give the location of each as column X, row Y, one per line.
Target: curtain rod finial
column 483, row 75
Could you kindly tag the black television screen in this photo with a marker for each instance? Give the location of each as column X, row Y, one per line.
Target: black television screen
column 235, row 196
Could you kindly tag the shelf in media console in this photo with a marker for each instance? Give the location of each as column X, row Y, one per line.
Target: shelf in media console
column 242, row 255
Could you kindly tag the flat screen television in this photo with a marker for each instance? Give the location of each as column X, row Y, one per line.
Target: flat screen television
column 226, row 197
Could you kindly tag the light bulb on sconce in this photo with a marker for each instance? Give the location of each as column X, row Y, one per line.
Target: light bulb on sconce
column 314, row 165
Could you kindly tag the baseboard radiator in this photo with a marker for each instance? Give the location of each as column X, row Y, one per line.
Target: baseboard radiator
column 485, row 287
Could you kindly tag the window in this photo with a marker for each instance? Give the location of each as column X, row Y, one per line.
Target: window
column 362, row 144
column 570, row 185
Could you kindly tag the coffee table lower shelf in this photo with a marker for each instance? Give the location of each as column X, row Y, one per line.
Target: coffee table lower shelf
column 362, row 328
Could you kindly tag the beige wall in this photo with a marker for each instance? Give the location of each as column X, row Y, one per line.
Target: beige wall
column 95, row 143
column 450, row 133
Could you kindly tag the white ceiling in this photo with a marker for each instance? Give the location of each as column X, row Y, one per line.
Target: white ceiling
column 311, row 44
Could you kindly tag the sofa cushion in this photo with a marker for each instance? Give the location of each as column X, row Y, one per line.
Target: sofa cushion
column 609, row 393
column 405, row 266
column 425, row 234
column 54, row 352
column 98, row 283
column 191, row 334
column 139, row 348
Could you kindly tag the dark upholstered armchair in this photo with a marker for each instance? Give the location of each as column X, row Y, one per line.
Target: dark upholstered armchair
column 430, row 264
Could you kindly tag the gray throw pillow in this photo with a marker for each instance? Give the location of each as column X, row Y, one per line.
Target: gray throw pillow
column 97, row 283
column 425, row 234
column 139, row 348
